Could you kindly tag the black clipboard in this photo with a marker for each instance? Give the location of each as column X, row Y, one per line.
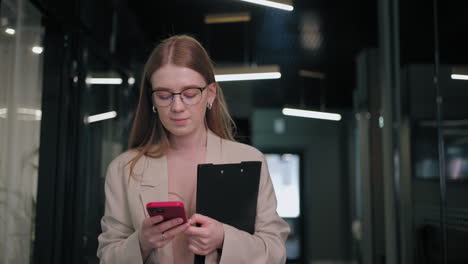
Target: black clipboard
column 229, row 193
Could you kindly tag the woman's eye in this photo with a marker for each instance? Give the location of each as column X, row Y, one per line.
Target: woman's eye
column 164, row 96
column 190, row 94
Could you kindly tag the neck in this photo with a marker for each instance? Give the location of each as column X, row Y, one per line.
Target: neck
column 190, row 142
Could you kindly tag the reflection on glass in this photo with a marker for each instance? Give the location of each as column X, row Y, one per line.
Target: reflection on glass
column 456, row 154
column 107, row 111
column 457, row 158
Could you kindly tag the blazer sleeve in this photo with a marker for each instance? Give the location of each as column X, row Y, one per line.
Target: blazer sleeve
column 267, row 244
column 119, row 241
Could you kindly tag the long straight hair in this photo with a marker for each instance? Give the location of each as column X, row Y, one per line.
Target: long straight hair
column 148, row 136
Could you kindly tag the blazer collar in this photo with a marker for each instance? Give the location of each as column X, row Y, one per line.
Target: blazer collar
column 155, row 172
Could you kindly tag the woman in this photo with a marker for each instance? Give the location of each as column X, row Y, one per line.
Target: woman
column 182, row 121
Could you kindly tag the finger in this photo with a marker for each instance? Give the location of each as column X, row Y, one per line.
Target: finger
column 176, row 230
column 169, row 224
column 196, row 231
column 195, row 241
column 156, row 219
column 200, row 219
column 150, row 221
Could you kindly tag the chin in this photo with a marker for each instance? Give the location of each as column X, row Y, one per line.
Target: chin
column 181, row 131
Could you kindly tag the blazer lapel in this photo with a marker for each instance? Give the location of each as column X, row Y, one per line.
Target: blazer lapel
column 154, row 183
column 154, row 188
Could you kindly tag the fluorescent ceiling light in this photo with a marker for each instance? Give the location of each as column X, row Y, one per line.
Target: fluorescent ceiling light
column 3, row 112
column 29, row 114
column 311, row 74
column 103, row 80
column 37, row 49
column 459, row 73
column 10, row 31
column 23, row 113
column 227, row 18
column 29, row 111
column 311, row 114
column 247, row 76
column 131, row 81
column 224, row 74
column 287, row 7
column 459, row 77
column 100, row 117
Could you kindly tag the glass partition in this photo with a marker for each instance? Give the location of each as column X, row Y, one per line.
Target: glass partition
column 453, row 85
column 20, row 120
column 107, row 109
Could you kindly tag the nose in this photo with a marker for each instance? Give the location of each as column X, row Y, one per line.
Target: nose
column 177, row 104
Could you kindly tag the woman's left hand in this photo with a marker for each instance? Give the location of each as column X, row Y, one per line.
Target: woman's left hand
column 206, row 238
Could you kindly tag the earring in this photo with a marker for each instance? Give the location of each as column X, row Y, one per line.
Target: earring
column 154, row 110
column 209, row 105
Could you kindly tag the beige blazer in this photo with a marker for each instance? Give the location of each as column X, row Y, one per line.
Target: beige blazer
column 126, row 200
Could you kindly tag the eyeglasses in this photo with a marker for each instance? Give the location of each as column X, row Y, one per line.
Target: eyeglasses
column 189, row 96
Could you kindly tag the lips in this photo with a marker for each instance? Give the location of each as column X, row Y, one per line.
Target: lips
column 180, row 121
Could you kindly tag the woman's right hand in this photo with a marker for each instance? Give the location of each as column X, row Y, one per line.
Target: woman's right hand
column 155, row 233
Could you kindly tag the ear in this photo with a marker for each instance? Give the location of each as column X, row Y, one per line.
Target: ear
column 212, row 88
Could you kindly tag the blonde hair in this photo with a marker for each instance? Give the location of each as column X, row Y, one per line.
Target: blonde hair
column 148, row 136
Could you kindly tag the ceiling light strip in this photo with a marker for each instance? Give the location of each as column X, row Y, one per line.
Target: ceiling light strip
column 3, row 112
column 100, row 117
column 311, row 114
column 247, row 76
column 103, row 80
column 10, row 31
column 37, row 49
column 227, row 18
column 459, row 77
column 28, row 111
column 271, row 4
column 311, row 74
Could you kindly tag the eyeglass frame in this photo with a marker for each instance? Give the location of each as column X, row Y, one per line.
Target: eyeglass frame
column 180, row 94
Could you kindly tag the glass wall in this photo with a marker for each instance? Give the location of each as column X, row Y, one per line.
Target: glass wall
column 436, row 105
column 106, row 107
column 420, row 119
column 20, row 115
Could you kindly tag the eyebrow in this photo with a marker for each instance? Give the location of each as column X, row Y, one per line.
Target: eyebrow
column 183, row 88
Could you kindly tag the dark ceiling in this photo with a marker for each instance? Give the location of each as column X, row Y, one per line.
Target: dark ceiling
column 318, row 36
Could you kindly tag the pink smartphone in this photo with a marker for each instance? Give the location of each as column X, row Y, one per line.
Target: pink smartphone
column 168, row 210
